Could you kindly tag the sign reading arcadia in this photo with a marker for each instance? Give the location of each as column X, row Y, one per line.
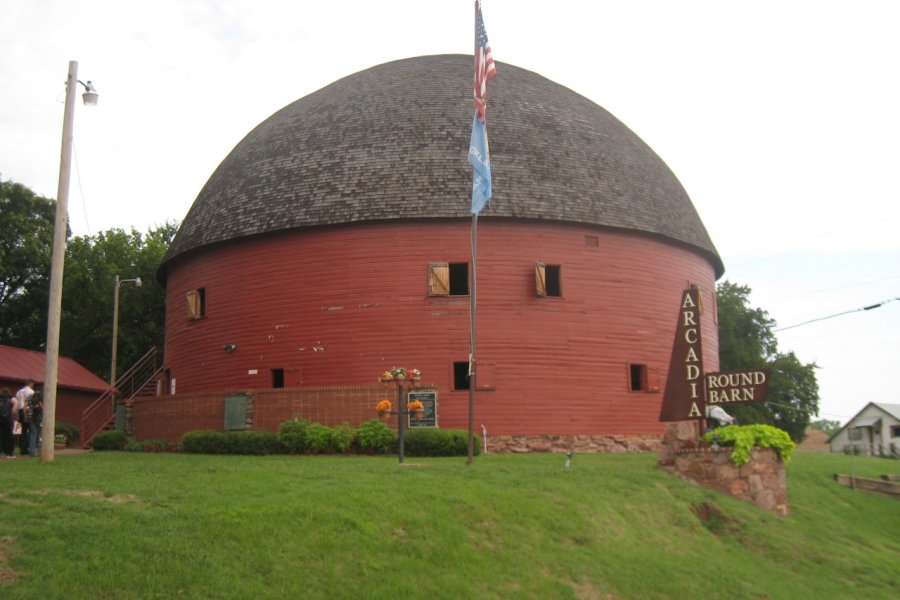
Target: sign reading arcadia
column 689, row 391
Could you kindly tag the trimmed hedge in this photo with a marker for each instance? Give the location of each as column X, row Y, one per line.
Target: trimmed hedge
column 439, row 442
column 109, row 440
column 233, row 442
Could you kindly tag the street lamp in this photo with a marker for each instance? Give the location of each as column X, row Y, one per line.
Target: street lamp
column 54, row 308
column 115, row 335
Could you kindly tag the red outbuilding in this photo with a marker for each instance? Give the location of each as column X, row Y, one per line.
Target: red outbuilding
column 77, row 388
column 334, row 242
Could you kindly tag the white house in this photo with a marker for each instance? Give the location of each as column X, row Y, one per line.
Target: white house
column 874, row 431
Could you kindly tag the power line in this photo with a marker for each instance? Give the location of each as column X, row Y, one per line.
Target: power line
column 846, row 312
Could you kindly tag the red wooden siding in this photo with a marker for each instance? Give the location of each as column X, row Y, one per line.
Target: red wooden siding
column 338, row 306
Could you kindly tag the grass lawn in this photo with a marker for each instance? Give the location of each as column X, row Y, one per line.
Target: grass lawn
column 126, row 525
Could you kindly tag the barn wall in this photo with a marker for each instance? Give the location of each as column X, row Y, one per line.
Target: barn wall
column 337, row 306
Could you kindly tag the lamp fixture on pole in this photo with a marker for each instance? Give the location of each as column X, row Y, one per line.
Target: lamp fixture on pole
column 115, row 334
column 54, row 307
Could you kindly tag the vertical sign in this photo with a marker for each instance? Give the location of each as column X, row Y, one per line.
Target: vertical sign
column 684, row 395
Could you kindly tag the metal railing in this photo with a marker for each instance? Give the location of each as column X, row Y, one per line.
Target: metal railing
column 139, row 380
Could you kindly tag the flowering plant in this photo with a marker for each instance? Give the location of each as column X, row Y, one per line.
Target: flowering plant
column 415, row 406
column 400, row 374
column 383, row 406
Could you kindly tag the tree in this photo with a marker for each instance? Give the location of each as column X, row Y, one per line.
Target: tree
column 747, row 341
column 92, row 265
column 26, row 242
column 827, row 426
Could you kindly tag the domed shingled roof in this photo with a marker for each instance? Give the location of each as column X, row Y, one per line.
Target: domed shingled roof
column 391, row 142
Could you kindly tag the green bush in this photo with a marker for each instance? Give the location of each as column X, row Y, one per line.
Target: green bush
column 318, row 438
column 231, row 442
column 292, row 435
column 208, row 442
column 257, row 443
column 109, row 440
column 439, row 442
column 154, row 445
column 745, row 437
column 134, row 446
column 72, row 433
column 375, row 437
column 342, row 438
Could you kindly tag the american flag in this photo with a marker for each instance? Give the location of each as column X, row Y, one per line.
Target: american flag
column 484, row 63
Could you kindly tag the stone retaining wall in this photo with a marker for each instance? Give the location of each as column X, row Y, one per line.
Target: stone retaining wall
column 762, row 481
column 575, row 443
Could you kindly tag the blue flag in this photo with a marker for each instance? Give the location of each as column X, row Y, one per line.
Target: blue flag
column 480, row 158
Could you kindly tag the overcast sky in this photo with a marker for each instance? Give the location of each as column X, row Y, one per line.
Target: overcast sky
column 780, row 118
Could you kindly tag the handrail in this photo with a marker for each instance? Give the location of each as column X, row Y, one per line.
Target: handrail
column 98, row 415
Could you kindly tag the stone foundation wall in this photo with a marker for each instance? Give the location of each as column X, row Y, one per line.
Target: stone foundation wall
column 575, row 443
column 762, row 481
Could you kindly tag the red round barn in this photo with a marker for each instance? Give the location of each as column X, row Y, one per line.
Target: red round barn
column 334, row 242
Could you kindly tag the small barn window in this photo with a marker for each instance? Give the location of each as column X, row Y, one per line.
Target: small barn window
column 448, row 279
column 547, row 280
column 638, row 378
column 895, row 431
column 196, row 300
column 461, row 375
column 277, row 378
column 855, row 434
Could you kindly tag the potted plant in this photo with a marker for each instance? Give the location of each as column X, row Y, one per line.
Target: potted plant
column 60, row 441
column 383, row 407
column 415, row 408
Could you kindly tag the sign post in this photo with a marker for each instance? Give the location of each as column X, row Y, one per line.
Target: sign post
column 689, row 391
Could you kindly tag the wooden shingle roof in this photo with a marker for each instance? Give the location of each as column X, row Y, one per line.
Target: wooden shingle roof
column 391, row 142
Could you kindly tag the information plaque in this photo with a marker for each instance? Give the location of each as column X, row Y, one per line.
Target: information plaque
column 429, row 415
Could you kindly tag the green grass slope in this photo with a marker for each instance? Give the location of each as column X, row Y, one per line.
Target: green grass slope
column 123, row 525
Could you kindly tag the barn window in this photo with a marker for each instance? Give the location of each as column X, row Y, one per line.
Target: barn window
column 855, row 434
column 895, row 431
column 638, row 377
column 448, row 279
column 196, row 300
column 547, row 280
column 277, row 378
column 461, row 375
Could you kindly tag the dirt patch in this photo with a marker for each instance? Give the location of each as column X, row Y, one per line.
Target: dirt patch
column 712, row 518
column 7, row 574
column 114, row 498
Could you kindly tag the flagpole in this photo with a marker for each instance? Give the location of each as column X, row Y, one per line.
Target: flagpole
column 472, row 370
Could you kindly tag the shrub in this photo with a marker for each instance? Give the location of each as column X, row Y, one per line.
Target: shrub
column 154, row 445
column 206, row 442
column 292, row 435
column 342, row 438
column 109, row 440
column 375, row 437
column 745, row 437
column 318, row 438
column 72, row 433
column 134, row 446
column 257, row 443
column 232, row 442
column 439, row 442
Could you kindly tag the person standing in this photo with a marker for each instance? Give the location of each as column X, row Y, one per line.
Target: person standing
column 22, row 396
column 7, row 419
column 34, row 410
